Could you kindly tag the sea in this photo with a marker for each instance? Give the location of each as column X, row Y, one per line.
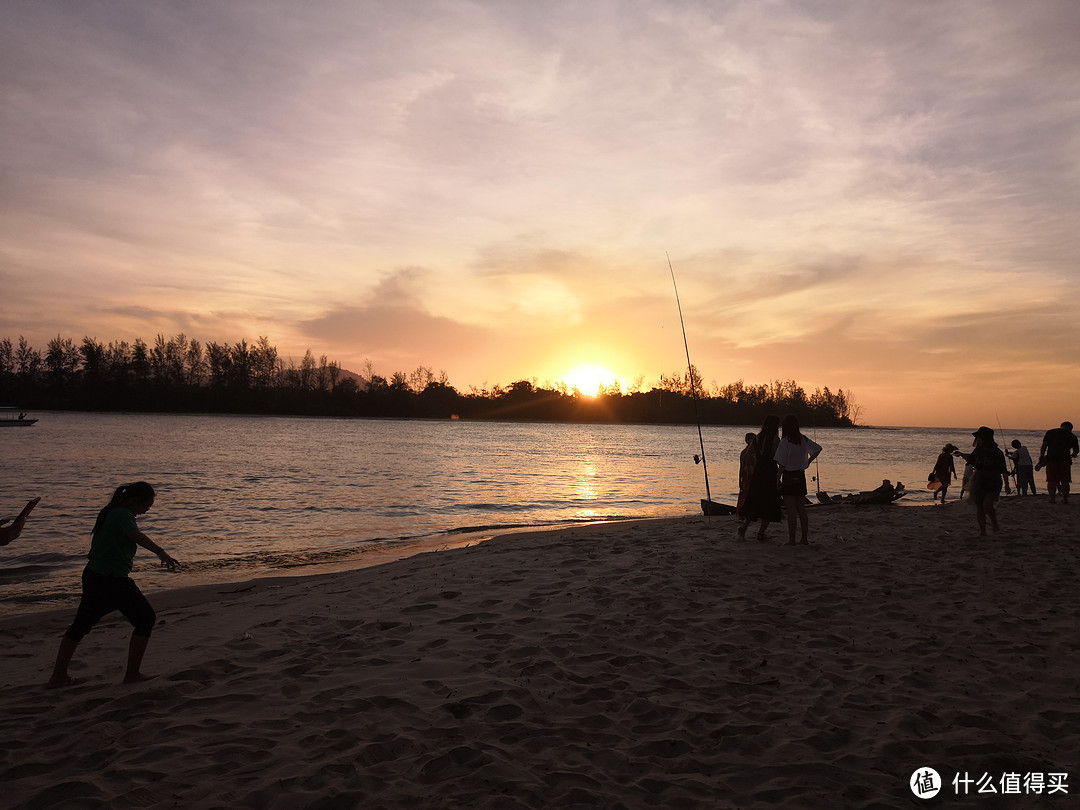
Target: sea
column 241, row 497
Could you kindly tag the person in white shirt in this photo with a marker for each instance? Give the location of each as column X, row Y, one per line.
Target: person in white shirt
column 1025, row 469
column 793, row 457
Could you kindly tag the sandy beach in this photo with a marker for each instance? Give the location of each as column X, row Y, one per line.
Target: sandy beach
column 657, row 663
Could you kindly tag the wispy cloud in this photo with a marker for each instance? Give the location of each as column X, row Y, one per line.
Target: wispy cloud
column 491, row 188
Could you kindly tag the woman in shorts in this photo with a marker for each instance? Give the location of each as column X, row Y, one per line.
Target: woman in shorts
column 793, row 458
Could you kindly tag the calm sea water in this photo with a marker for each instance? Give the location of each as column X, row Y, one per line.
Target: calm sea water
column 250, row 496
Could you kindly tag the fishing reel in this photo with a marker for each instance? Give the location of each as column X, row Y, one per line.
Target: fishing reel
column 697, row 458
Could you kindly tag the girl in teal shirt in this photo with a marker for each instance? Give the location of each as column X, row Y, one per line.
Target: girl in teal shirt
column 106, row 584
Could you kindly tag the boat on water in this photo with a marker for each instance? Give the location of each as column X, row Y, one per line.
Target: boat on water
column 13, row 417
column 716, row 508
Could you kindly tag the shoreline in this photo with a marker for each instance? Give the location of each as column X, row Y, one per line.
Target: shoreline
column 656, row 662
column 377, row 553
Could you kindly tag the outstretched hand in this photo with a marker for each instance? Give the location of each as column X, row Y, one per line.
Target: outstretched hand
column 168, row 562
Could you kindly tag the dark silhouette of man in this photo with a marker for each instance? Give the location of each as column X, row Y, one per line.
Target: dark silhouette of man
column 1059, row 448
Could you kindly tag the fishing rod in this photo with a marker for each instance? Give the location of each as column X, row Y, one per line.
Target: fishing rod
column 823, row 497
column 693, row 383
column 1008, row 474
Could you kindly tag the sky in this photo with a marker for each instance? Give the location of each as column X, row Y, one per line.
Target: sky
column 881, row 197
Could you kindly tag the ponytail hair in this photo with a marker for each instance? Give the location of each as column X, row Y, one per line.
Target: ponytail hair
column 140, row 489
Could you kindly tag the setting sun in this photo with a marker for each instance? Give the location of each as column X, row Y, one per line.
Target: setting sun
column 588, row 379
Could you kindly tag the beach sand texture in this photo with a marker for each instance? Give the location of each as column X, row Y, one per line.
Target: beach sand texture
column 650, row 664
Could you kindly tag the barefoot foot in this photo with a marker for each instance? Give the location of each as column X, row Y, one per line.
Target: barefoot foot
column 60, row 683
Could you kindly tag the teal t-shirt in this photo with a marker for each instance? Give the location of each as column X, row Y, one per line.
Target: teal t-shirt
column 112, row 553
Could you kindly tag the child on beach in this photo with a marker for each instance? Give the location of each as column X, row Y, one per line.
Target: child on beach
column 793, row 457
column 988, row 464
column 965, row 481
column 106, row 584
column 944, row 470
column 1025, row 469
column 746, row 471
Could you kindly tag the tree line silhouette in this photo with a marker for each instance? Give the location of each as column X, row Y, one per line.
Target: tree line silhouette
column 179, row 374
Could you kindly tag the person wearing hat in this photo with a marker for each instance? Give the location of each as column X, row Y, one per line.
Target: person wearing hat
column 944, row 470
column 986, row 482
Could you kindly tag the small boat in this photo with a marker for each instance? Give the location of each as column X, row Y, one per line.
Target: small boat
column 714, row 508
column 13, row 417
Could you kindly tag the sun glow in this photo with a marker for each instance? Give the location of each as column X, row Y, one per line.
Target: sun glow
column 589, row 379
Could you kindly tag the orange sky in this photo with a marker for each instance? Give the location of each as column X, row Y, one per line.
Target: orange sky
column 879, row 197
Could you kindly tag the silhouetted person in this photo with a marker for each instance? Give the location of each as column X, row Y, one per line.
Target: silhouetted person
column 1025, row 470
column 886, row 491
column 944, row 470
column 763, row 496
column 746, row 470
column 106, row 584
column 988, row 465
column 1059, row 448
column 793, row 457
column 965, row 480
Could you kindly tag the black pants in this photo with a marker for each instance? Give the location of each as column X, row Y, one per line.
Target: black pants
column 102, row 595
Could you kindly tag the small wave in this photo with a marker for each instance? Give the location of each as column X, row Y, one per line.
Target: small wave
column 573, row 521
column 26, row 573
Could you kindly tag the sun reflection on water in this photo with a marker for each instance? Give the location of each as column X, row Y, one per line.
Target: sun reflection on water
column 586, row 489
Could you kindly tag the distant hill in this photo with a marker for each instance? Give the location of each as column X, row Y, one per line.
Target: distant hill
column 361, row 381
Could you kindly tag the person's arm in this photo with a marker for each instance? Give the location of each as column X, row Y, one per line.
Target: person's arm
column 779, row 456
column 9, row 533
column 144, row 541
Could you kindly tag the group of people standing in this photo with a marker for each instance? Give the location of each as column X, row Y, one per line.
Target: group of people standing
column 772, row 474
column 986, row 470
column 772, row 470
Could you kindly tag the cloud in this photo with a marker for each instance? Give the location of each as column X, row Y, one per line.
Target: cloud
column 493, row 187
column 393, row 327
